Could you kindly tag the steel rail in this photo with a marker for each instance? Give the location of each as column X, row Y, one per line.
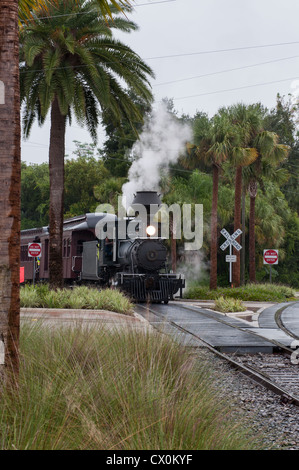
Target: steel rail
column 253, row 374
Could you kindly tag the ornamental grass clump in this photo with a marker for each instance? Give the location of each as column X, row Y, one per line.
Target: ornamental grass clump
column 227, row 304
column 92, row 388
column 80, row 297
column 249, row 292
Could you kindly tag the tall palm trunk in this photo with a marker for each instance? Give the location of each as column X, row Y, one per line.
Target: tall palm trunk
column 173, row 244
column 243, row 238
column 252, row 194
column 214, row 238
column 10, row 182
column 56, row 168
column 237, row 224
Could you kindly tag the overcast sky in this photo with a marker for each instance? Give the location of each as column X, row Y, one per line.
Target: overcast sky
column 205, row 54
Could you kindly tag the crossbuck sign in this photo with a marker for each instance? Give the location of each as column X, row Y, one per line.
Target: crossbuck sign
column 230, row 241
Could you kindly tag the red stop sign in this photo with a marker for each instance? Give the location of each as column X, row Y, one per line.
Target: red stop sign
column 270, row 256
column 34, row 249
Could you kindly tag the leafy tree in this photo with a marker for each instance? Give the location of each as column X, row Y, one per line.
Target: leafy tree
column 70, row 64
column 34, row 195
column 115, row 151
column 87, row 184
column 83, row 176
column 283, row 121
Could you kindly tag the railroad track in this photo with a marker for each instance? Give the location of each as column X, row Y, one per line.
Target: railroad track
column 275, row 372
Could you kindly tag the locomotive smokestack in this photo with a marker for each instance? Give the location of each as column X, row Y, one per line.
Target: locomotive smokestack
column 148, row 199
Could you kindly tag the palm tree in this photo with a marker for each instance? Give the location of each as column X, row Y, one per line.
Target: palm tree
column 247, row 123
column 71, row 64
column 270, row 155
column 214, row 140
column 10, row 204
column 257, row 148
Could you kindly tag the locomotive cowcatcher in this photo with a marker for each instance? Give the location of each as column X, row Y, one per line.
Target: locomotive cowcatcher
column 135, row 264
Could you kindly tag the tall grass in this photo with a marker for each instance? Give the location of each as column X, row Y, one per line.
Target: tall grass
column 249, row 292
column 92, row 388
column 81, row 297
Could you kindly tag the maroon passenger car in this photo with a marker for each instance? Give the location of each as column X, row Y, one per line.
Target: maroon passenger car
column 75, row 231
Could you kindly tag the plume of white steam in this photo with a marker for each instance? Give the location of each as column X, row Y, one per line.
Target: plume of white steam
column 193, row 266
column 162, row 141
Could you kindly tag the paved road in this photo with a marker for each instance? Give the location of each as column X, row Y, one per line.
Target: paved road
column 290, row 318
column 226, row 333
column 56, row 317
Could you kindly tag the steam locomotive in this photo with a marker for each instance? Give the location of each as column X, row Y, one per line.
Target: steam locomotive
column 135, row 263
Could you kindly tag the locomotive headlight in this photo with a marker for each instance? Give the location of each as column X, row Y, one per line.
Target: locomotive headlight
column 151, row 230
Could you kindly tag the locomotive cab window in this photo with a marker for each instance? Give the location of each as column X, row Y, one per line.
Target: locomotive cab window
column 24, row 253
column 64, row 247
column 108, row 248
column 79, row 249
column 68, row 248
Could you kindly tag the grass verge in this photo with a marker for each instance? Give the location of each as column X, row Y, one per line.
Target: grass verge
column 81, row 297
column 89, row 388
column 249, row 292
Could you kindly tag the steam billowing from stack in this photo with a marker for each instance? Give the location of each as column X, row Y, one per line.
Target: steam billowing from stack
column 161, row 143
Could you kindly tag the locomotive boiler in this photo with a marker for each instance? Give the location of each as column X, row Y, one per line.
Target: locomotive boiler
column 101, row 249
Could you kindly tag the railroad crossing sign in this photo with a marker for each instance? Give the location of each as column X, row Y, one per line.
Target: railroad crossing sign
column 34, row 250
column 231, row 241
column 270, row 256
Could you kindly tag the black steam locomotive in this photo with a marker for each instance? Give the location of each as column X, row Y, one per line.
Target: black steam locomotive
column 136, row 264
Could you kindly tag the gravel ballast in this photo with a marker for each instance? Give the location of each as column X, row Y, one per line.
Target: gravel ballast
column 276, row 423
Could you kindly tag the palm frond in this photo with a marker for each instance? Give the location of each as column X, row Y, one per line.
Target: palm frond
column 74, row 57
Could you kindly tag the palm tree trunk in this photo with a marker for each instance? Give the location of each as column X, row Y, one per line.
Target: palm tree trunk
column 56, row 168
column 243, row 237
column 10, row 183
column 173, row 244
column 237, row 224
column 252, row 193
column 214, row 226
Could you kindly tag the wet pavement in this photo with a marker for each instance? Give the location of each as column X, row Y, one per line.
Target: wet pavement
column 226, row 332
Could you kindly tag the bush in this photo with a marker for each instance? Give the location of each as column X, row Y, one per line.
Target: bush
column 80, row 297
column 227, row 304
column 249, row 292
column 90, row 388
